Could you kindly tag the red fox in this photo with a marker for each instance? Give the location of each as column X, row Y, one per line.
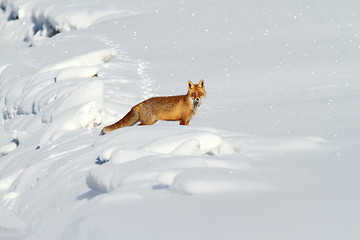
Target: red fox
column 173, row 108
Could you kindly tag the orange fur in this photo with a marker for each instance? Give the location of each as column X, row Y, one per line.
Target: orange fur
column 173, row 108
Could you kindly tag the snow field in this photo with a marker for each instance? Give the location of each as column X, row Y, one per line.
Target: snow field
column 284, row 73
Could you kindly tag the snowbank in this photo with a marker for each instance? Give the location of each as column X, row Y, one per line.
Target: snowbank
column 65, row 94
column 49, row 18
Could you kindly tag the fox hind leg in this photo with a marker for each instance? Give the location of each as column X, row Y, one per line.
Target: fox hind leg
column 146, row 122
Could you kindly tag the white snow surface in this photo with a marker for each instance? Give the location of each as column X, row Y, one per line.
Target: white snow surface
column 273, row 152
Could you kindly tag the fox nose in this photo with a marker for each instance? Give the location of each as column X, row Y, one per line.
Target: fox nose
column 197, row 99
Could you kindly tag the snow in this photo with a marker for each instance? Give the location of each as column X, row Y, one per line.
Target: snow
column 271, row 154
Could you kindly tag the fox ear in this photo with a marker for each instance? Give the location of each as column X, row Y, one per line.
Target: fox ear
column 190, row 84
column 201, row 83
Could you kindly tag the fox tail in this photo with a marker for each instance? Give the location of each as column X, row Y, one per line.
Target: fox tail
column 129, row 119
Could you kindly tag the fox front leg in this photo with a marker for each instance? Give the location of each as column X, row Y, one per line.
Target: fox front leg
column 184, row 121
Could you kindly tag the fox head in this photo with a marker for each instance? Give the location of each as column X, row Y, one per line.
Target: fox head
column 196, row 92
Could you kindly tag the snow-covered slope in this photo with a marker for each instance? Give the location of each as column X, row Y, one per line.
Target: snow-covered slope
column 272, row 153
